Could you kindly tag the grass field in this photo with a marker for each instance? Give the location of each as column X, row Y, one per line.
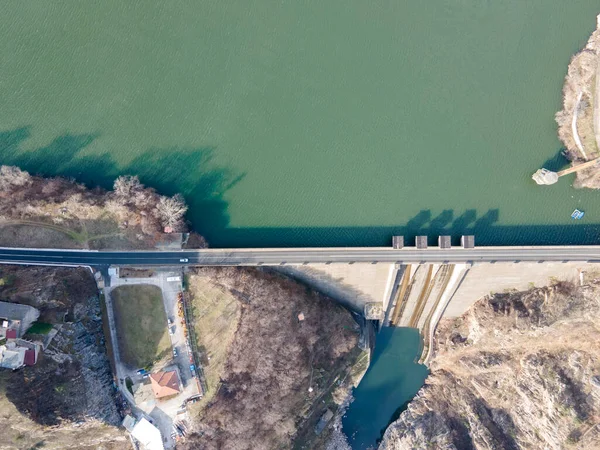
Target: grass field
column 216, row 313
column 141, row 325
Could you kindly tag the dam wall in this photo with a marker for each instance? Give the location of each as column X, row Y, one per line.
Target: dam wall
column 354, row 285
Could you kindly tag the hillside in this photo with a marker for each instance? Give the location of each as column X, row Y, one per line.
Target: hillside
column 271, row 376
column 518, row 370
column 66, row 400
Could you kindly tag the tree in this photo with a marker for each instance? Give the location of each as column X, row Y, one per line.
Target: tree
column 171, row 210
column 126, row 186
column 13, row 176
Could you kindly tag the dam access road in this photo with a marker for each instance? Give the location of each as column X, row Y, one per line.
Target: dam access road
column 299, row 256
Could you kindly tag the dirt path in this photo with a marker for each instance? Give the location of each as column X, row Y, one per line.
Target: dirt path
column 597, row 104
column 82, row 238
column 574, row 126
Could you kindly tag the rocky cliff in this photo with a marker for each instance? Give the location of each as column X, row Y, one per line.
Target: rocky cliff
column 518, row 370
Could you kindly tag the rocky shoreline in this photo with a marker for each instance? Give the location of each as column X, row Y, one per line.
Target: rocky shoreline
column 518, row 370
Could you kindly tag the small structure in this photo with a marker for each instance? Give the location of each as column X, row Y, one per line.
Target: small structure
column 545, row 177
column 165, row 384
column 12, row 356
column 421, row 242
column 323, row 421
column 397, row 242
column 467, row 241
column 147, row 435
column 301, row 317
column 444, row 242
column 128, row 423
column 17, row 317
column 373, row 311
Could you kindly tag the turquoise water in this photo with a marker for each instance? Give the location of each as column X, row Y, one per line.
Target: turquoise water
column 392, row 380
column 305, row 123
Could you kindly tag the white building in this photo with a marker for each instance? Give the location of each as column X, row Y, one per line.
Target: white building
column 147, row 435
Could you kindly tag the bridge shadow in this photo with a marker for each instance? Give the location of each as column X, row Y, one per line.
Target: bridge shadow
column 485, row 227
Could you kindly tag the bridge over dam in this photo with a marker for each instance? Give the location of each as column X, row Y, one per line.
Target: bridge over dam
column 413, row 286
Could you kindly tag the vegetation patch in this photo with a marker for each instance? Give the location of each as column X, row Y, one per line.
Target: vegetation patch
column 39, row 328
column 141, row 324
column 215, row 313
column 291, row 348
column 130, row 272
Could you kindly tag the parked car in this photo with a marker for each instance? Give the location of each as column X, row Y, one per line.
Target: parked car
column 170, row 321
column 171, row 331
column 141, row 372
column 174, row 353
column 183, row 260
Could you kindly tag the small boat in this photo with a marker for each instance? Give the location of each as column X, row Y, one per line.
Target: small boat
column 577, row 215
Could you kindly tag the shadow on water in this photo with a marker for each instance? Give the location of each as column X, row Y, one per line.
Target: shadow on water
column 192, row 172
column 557, row 162
column 189, row 171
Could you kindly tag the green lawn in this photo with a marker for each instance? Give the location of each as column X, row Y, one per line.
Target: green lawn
column 141, row 325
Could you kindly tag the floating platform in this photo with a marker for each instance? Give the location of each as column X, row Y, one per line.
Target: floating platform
column 577, row 215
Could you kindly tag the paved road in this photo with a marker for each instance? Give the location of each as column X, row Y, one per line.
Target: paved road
column 250, row 257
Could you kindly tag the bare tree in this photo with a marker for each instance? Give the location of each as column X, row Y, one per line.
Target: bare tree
column 126, row 186
column 13, row 176
column 171, row 210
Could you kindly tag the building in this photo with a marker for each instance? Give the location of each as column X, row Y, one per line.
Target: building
column 444, row 242
column 12, row 356
column 16, row 318
column 17, row 353
column 467, row 241
column 165, row 384
column 147, row 435
column 421, row 242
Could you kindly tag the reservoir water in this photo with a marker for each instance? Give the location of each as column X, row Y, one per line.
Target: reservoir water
column 299, row 123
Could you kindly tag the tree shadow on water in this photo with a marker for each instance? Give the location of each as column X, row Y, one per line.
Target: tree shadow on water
column 190, row 171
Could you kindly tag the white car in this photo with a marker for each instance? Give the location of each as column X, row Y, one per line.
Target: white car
column 183, row 260
column 171, row 331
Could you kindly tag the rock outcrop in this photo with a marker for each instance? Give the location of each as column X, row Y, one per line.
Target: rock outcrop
column 518, row 370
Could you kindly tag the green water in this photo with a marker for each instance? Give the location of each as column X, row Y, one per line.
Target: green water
column 304, row 122
column 392, row 380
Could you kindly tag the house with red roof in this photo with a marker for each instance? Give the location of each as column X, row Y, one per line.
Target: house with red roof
column 165, row 384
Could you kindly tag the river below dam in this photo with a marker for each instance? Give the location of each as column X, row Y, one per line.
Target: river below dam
column 392, row 380
column 304, row 123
